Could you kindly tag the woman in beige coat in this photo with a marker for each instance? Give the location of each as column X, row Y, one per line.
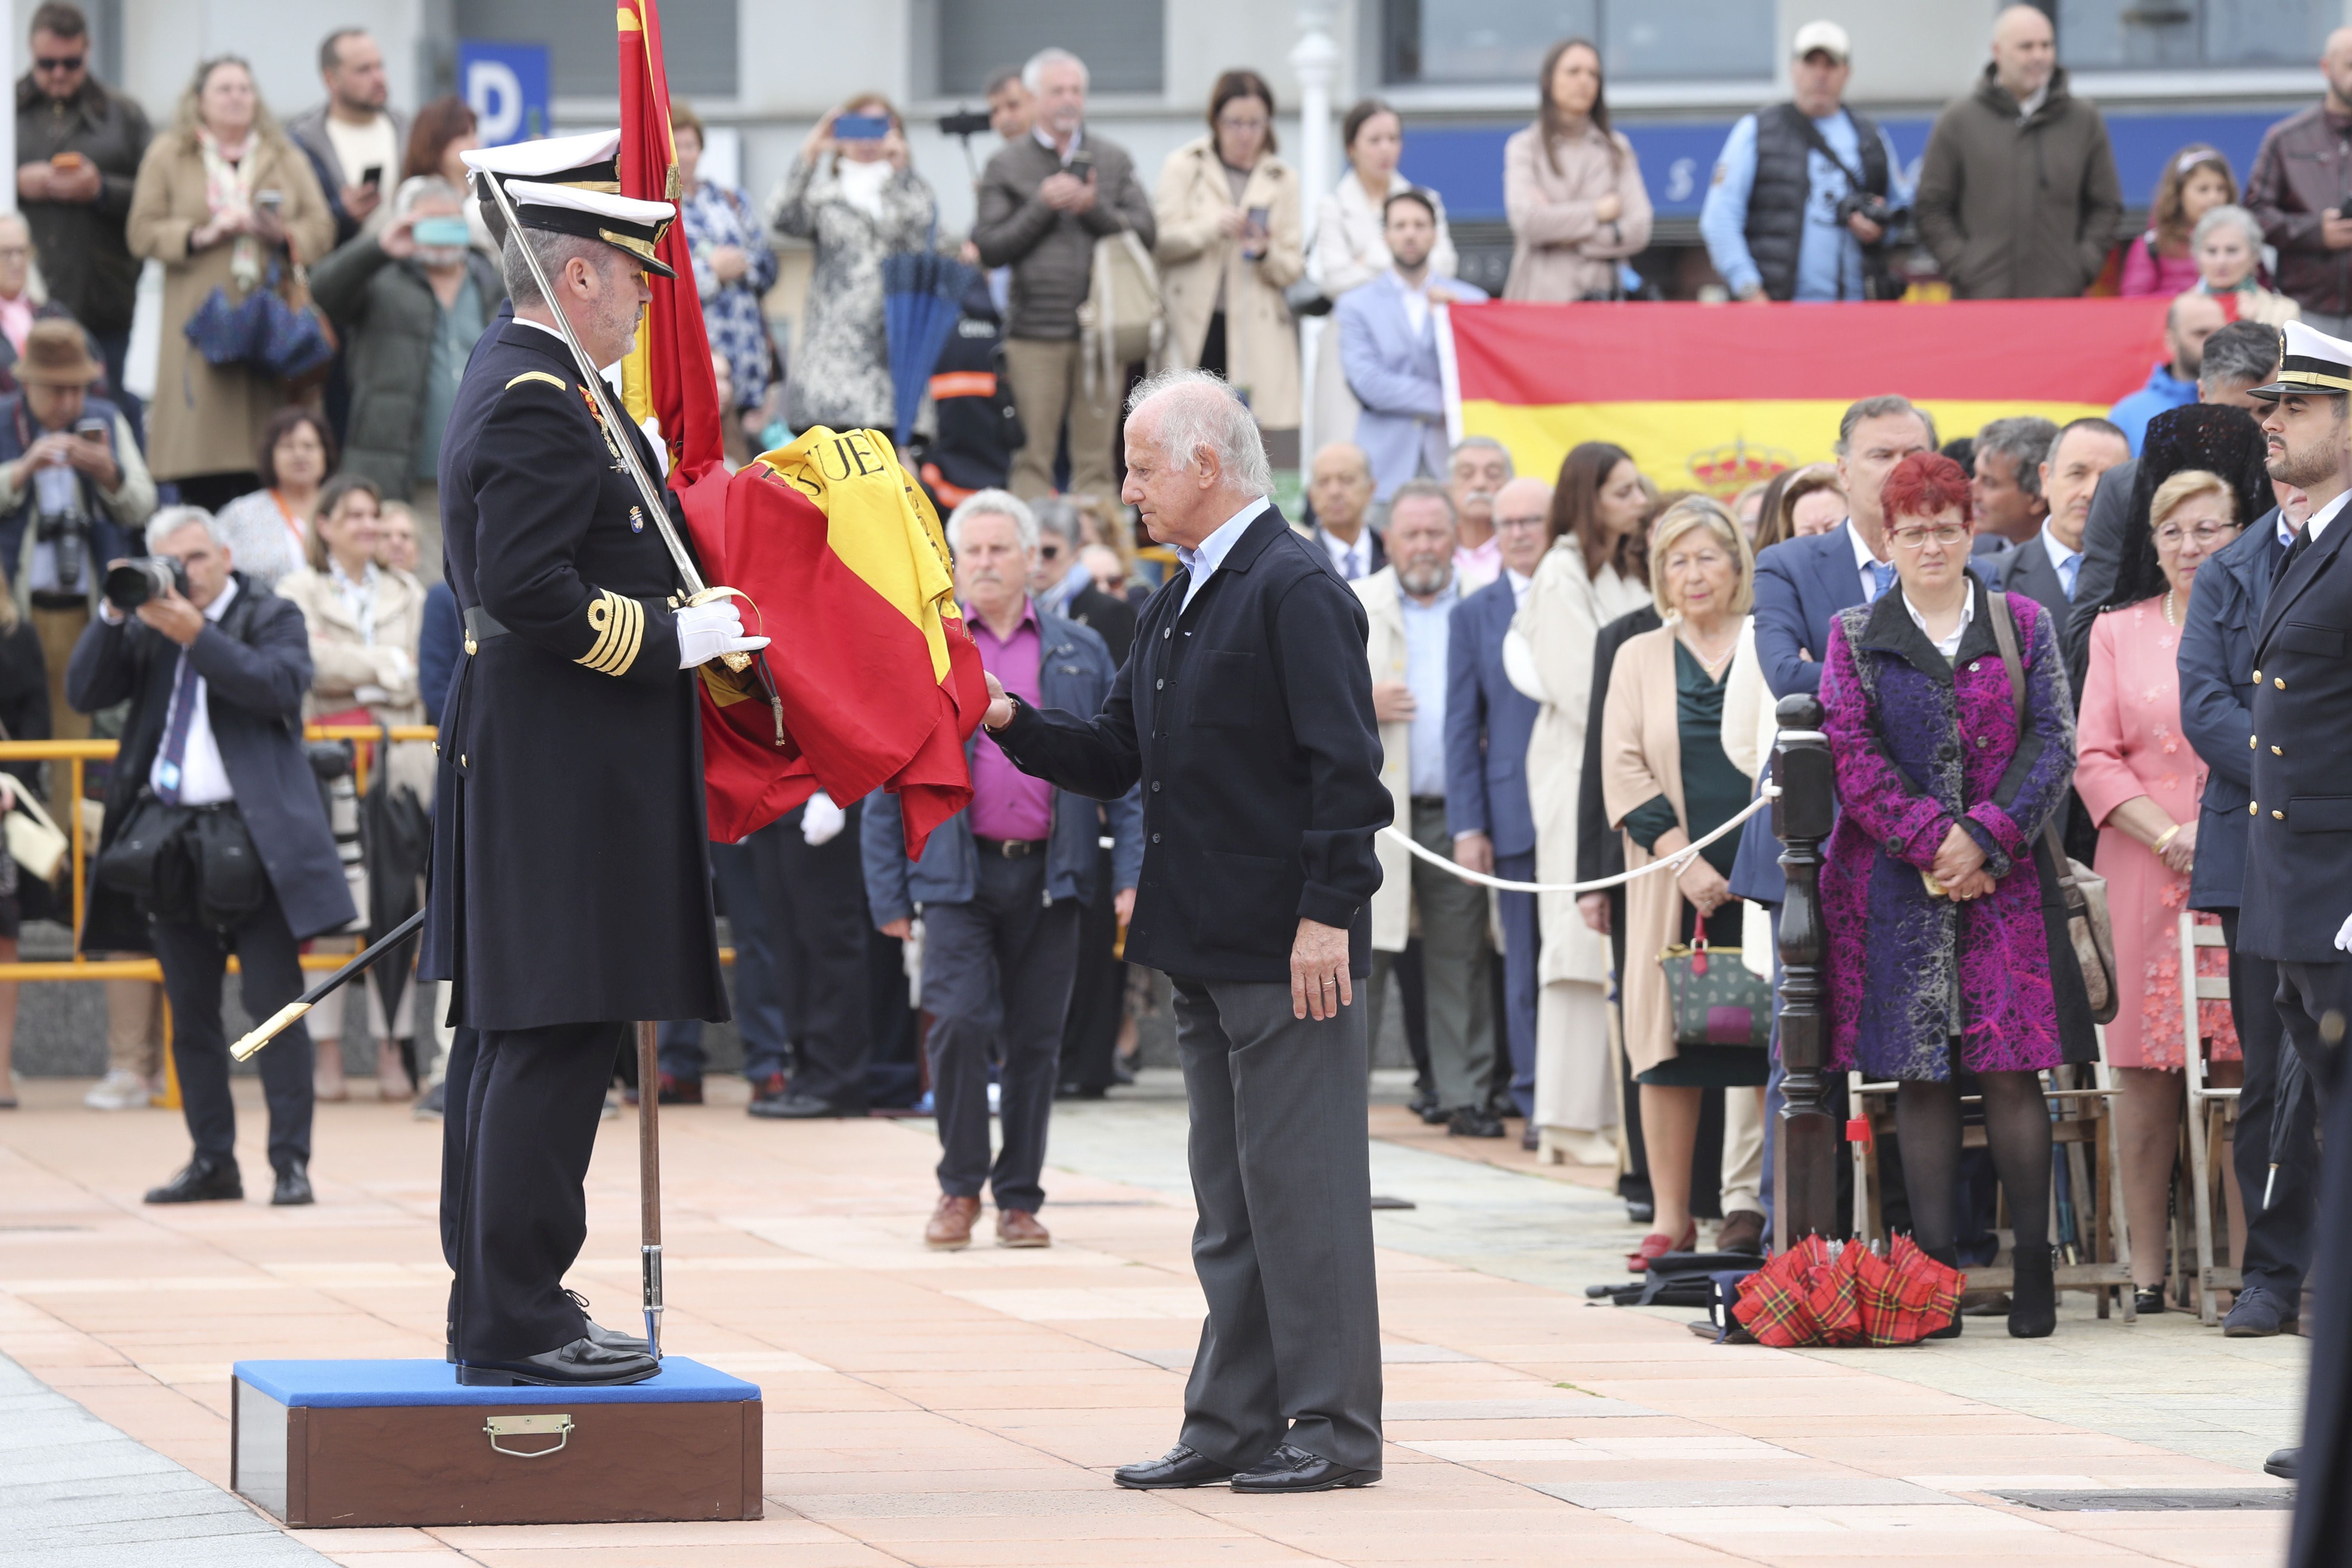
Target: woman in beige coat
column 365, row 620
column 1595, row 572
column 218, row 196
column 1572, row 188
column 1668, row 780
column 1229, row 243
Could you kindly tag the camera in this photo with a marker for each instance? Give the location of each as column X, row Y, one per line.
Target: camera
column 130, row 584
column 1869, row 205
column 964, row 123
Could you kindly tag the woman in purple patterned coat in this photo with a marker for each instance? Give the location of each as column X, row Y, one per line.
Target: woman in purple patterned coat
column 1937, row 898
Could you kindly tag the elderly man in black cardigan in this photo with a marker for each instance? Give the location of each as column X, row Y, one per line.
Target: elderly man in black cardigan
column 1245, row 710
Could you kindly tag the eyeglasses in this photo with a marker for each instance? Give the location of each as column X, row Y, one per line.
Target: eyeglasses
column 1945, row 533
column 2205, row 534
column 59, row 62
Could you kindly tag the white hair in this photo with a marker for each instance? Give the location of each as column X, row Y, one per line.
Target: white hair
column 416, row 187
column 555, row 252
column 2224, row 215
column 1197, row 412
column 172, row 519
column 1033, row 75
column 1511, row 470
column 994, row 503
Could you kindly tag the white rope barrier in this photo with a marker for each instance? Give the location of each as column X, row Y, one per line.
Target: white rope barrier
column 1676, row 861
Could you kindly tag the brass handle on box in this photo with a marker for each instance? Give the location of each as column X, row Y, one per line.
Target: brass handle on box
column 500, row 1426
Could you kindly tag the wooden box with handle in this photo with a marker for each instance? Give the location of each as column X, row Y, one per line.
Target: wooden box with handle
column 330, row 1443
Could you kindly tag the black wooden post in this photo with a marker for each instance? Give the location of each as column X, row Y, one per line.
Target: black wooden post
column 1804, row 1175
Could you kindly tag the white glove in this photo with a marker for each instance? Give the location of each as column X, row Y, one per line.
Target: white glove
column 2344, row 934
column 705, row 631
column 821, row 821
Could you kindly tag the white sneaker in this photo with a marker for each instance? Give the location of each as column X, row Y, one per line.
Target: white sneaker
column 120, row 1090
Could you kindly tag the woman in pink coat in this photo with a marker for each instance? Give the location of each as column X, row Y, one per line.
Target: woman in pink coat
column 2140, row 780
column 2162, row 260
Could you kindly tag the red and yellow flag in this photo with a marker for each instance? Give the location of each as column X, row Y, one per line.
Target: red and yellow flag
column 848, row 574
column 1713, row 397
column 669, row 378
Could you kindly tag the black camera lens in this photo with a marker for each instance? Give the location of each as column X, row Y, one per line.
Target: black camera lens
column 132, row 583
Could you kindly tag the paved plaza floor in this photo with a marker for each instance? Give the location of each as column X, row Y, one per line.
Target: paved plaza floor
column 950, row 1409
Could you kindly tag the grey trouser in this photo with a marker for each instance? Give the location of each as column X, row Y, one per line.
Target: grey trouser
column 1049, row 383
column 1454, row 955
column 1282, row 1177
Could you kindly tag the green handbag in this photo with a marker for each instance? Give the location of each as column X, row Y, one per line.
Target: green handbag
column 1717, row 1000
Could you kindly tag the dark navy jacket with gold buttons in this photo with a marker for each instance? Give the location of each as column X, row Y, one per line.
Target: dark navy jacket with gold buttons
column 2298, row 883
column 569, row 881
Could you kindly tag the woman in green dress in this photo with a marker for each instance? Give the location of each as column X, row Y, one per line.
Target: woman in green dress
column 1667, row 781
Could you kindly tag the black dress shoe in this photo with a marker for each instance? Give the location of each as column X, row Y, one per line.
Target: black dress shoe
column 1289, row 1470
column 2282, row 1463
column 293, row 1186
column 1474, row 1121
column 200, row 1180
column 583, row 1364
column 1179, row 1466
column 795, row 1107
column 611, row 1339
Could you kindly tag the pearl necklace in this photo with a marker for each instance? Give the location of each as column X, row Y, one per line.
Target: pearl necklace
column 2170, row 618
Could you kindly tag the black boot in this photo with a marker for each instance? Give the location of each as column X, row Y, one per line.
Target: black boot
column 2032, row 1299
column 1949, row 1257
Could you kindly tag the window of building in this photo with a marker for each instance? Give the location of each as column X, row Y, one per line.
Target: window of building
column 1476, row 42
column 700, row 44
column 2163, row 34
column 1123, row 42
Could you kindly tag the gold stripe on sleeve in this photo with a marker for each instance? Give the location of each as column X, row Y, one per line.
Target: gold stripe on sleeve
column 620, row 626
column 556, row 382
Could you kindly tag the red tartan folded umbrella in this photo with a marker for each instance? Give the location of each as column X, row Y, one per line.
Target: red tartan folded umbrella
column 1818, row 1294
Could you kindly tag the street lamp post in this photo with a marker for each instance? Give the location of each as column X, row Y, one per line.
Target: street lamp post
column 1314, row 60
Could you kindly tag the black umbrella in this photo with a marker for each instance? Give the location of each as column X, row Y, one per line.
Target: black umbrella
column 396, row 839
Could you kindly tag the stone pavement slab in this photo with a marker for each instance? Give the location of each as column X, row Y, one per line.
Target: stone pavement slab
column 949, row 1409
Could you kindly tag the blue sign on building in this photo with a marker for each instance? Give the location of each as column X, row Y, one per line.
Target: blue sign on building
column 1465, row 163
column 505, row 85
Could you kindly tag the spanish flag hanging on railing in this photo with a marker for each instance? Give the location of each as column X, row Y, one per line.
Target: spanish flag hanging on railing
column 1715, row 397
column 668, row 379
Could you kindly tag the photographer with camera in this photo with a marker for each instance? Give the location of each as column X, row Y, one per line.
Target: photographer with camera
column 215, row 840
column 1808, row 195
column 72, row 486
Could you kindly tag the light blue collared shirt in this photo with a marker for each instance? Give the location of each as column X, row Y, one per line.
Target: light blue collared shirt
column 1829, row 258
column 2068, row 561
column 1201, row 562
column 1425, row 638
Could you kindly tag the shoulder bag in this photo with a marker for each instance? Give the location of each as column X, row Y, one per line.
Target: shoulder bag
column 2089, row 929
column 1717, row 999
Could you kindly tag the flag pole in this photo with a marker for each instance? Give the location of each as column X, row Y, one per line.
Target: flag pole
column 649, row 1250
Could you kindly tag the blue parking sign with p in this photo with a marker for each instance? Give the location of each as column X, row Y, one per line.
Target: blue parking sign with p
column 505, row 85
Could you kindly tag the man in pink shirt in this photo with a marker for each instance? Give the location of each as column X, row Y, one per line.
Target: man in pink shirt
column 999, row 889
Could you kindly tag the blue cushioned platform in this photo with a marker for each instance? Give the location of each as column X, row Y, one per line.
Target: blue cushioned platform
column 348, row 1383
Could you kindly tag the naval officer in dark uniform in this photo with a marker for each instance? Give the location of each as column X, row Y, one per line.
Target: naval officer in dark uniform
column 2299, row 867
column 570, row 894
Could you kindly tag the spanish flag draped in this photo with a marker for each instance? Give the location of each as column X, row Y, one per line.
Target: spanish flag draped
column 848, row 574
column 836, row 554
column 1713, row 397
column 668, row 379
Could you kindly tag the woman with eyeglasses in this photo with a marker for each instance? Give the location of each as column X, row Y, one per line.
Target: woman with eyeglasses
column 1942, row 972
column 2141, row 781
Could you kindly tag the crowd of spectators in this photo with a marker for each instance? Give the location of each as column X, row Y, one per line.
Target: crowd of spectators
column 1573, row 673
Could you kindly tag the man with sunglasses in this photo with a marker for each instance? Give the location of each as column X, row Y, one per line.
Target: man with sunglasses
column 78, row 145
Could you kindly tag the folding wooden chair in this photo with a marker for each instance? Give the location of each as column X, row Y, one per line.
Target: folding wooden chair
column 2210, row 1114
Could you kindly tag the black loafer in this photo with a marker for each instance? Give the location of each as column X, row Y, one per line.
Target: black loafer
column 1290, row 1469
column 200, row 1180
column 610, row 1338
column 293, row 1186
column 1179, row 1466
column 583, row 1364
column 1474, row 1121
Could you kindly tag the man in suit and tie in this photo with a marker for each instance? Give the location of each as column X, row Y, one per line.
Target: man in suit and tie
column 1487, row 722
column 2046, row 567
column 2299, row 862
column 1245, row 711
column 1388, row 347
column 2217, row 660
column 1339, row 495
